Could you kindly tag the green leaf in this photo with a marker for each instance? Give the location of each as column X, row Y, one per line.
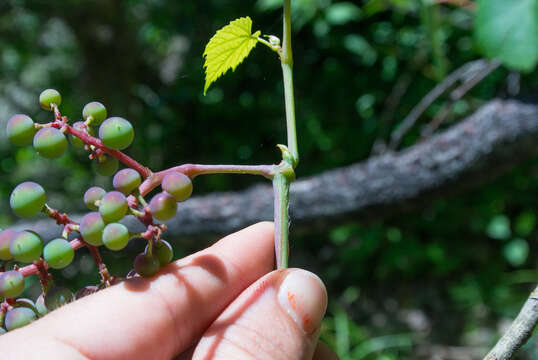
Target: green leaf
column 508, row 30
column 228, row 48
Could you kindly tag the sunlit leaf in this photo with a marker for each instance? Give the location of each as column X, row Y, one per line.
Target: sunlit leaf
column 228, row 48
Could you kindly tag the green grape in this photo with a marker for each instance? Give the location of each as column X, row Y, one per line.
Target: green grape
column 58, row 296
column 58, row 253
column 91, row 228
column 115, row 236
column 146, row 265
column 164, row 252
column 96, row 110
column 5, row 239
column 20, row 130
column 80, row 126
column 40, row 305
column 106, row 165
column 26, row 247
column 92, row 195
column 178, row 185
column 2, row 331
column 48, row 97
column 113, row 207
column 116, row 133
column 27, row 199
column 19, row 317
column 27, row 303
column 163, row 206
column 11, row 284
column 85, row 291
column 126, row 181
column 50, row 143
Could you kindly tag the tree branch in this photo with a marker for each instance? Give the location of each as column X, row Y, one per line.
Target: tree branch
column 519, row 332
column 496, row 138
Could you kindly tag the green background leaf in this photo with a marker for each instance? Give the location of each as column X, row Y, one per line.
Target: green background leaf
column 508, row 30
column 228, row 48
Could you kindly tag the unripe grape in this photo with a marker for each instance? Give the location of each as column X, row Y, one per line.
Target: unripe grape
column 116, row 133
column 113, row 207
column 126, row 181
column 80, row 126
column 26, row 247
column 27, row 199
column 48, row 97
column 106, row 165
column 92, row 195
column 50, row 143
column 163, row 206
column 58, row 253
column 91, row 228
column 19, row 317
column 178, row 185
column 57, row 296
column 11, row 284
column 20, row 130
column 96, row 110
column 146, row 265
column 2, row 331
column 115, row 236
column 85, row 291
column 23, row 302
column 164, row 252
column 5, row 239
column 40, row 305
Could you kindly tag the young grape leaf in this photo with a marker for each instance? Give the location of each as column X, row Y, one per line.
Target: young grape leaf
column 228, row 48
column 508, row 30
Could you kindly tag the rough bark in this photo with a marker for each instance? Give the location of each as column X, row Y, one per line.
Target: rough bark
column 497, row 137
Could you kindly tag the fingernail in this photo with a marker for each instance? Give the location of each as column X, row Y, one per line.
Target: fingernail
column 303, row 296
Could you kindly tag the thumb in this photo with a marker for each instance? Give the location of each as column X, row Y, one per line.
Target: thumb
column 277, row 317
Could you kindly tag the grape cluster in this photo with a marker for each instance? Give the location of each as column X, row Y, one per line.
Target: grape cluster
column 101, row 227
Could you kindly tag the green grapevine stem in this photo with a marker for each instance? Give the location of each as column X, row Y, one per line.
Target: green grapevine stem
column 282, row 180
column 281, row 185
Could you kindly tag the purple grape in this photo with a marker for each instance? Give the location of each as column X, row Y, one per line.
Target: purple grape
column 91, row 228
column 163, row 206
column 164, row 252
column 11, row 284
column 146, row 265
column 5, row 238
column 85, row 291
column 92, row 195
column 20, row 130
column 178, row 185
column 126, row 181
column 80, row 126
column 19, row 317
column 113, row 207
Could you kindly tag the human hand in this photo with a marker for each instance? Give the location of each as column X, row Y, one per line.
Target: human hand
column 224, row 302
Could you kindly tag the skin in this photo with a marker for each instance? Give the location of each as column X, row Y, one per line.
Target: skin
column 224, row 302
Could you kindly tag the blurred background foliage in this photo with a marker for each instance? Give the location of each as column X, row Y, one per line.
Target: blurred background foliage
column 443, row 280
